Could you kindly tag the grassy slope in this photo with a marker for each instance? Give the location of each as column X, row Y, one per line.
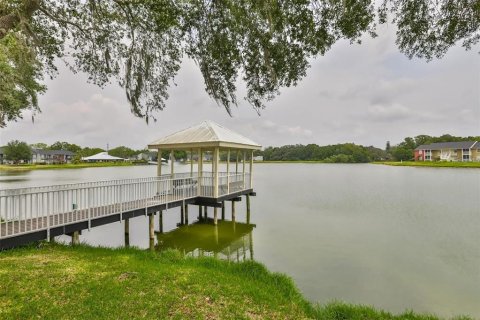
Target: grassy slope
column 94, row 283
column 63, row 166
column 55, row 282
column 437, row 164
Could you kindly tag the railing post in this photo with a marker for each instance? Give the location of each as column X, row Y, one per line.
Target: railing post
column 89, row 205
column 121, row 202
column 48, row 217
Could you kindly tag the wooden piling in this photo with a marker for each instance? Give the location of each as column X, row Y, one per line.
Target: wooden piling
column 182, row 215
column 75, row 238
column 200, row 213
column 160, row 221
column 186, row 214
column 205, row 213
column 233, row 211
column 248, row 208
column 127, row 232
column 250, row 243
column 215, row 216
column 223, row 210
column 151, row 232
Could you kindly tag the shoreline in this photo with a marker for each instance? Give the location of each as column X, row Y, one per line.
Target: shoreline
column 433, row 164
column 430, row 164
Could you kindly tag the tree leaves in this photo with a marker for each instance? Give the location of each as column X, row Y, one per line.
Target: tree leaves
column 267, row 44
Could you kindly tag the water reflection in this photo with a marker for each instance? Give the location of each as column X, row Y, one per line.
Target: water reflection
column 13, row 177
column 228, row 240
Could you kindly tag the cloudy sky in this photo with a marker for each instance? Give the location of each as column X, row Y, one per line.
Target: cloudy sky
column 366, row 94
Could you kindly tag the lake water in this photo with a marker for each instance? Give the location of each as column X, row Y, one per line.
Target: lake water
column 396, row 238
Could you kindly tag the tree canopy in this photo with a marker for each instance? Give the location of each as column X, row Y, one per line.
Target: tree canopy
column 140, row 44
column 17, row 151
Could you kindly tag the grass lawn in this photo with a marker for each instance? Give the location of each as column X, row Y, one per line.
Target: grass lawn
column 442, row 164
column 63, row 166
column 53, row 281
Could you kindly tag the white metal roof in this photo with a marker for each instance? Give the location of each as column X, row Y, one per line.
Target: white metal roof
column 204, row 135
column 102, row 156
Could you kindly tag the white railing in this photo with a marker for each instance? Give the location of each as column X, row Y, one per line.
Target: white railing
column 26, row 210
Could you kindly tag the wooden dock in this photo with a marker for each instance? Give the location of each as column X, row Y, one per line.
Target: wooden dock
column 32, row 214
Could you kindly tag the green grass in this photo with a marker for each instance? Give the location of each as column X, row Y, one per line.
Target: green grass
column 443, row 164
column 63, row 166
column 52, row 281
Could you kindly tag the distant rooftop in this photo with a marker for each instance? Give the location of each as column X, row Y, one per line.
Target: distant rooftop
column 53, row 152
column 448, row 145
column 102, row 156
column 204, row 135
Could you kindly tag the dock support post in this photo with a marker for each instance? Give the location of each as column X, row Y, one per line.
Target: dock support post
column 182, row 215
column 75, row 238
column 205, row 213
column 215, row 216
column 223, row 210
column 233, row 211
column 127, row 232
column 250, row 243
column 160, row 221
column 151, row 231
column 200, row 213
column 248, row 208
column 186, row 214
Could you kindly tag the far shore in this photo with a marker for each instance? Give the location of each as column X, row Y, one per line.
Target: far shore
column 21, row 167
column 436, row 164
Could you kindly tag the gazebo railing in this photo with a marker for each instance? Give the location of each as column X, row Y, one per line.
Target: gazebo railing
column 26, row 210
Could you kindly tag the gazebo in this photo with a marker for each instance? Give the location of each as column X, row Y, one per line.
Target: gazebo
column 210, row 138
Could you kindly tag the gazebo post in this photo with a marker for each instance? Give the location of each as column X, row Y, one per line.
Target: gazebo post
column 159, row 170
column 200, row 170
column 236, row 164
column 243, row 169
column 251, row 169
column 216, row 157
column 191, row 162
column 228, row 171
column 172, row 171
column 159, row 162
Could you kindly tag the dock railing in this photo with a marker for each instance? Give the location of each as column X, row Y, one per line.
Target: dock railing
column 25, row 210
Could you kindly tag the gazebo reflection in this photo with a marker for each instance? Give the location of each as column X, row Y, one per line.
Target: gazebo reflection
column 232, row 241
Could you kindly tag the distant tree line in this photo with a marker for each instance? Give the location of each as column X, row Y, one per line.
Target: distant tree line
column 339, row 153
column 17, row 151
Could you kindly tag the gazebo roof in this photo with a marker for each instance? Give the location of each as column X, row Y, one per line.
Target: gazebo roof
column 207, row 134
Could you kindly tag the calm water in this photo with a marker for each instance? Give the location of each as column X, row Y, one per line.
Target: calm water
column 392, row 237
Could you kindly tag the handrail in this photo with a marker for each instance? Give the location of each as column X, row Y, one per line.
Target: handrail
column 25, row 210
